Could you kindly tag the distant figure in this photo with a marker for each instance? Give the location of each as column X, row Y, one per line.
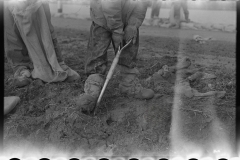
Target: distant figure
column 183, row 4
column 156, row 5
column 175, row 13
column 116, row 22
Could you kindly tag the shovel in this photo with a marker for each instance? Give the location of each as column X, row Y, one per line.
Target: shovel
column 109, row 75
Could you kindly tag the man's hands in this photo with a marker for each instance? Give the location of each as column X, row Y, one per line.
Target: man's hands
column 118, row 39
column 130, row 32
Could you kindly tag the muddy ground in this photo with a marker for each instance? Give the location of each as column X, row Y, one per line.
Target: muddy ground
column 48, row 116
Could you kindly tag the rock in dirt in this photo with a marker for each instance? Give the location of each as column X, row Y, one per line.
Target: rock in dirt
column 21, row 82
column 10, row 103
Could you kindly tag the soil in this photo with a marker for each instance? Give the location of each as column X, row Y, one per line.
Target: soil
column 48, row 116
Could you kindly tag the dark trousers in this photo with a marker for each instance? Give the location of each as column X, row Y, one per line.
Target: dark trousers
column 156, row 5
column 99, row 42
column 177, row 8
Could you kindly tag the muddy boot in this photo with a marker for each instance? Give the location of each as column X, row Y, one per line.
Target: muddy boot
column 92, row 89
column 129, row 84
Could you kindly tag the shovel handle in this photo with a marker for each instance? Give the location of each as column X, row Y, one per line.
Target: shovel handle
column 110, row 73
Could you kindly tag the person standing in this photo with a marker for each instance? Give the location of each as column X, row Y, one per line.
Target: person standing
column 31, row 43
column 156, row 5
column 184, row 6
column 115, row 22
column 175, row 13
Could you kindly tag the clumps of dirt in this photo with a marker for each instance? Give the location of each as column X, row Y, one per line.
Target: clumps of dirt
column 156, row 65
column 47, row 113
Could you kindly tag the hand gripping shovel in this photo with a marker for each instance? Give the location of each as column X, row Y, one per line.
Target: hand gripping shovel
column 109, row 75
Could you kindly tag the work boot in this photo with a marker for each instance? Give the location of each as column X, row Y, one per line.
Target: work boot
column 129, row 84
column 92, row 89
column 22, row 77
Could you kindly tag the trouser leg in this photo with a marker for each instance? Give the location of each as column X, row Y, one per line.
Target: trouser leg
column 156, row 5
column 95, row 66
column 15, row 48
column 72, row 75
column 177, row 13
column 99, row 41
column 185, row 9
column 53, row 33
column 128, row 81
column 128, row 56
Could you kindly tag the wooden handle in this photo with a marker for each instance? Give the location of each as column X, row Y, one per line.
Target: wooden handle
column 109, row 75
